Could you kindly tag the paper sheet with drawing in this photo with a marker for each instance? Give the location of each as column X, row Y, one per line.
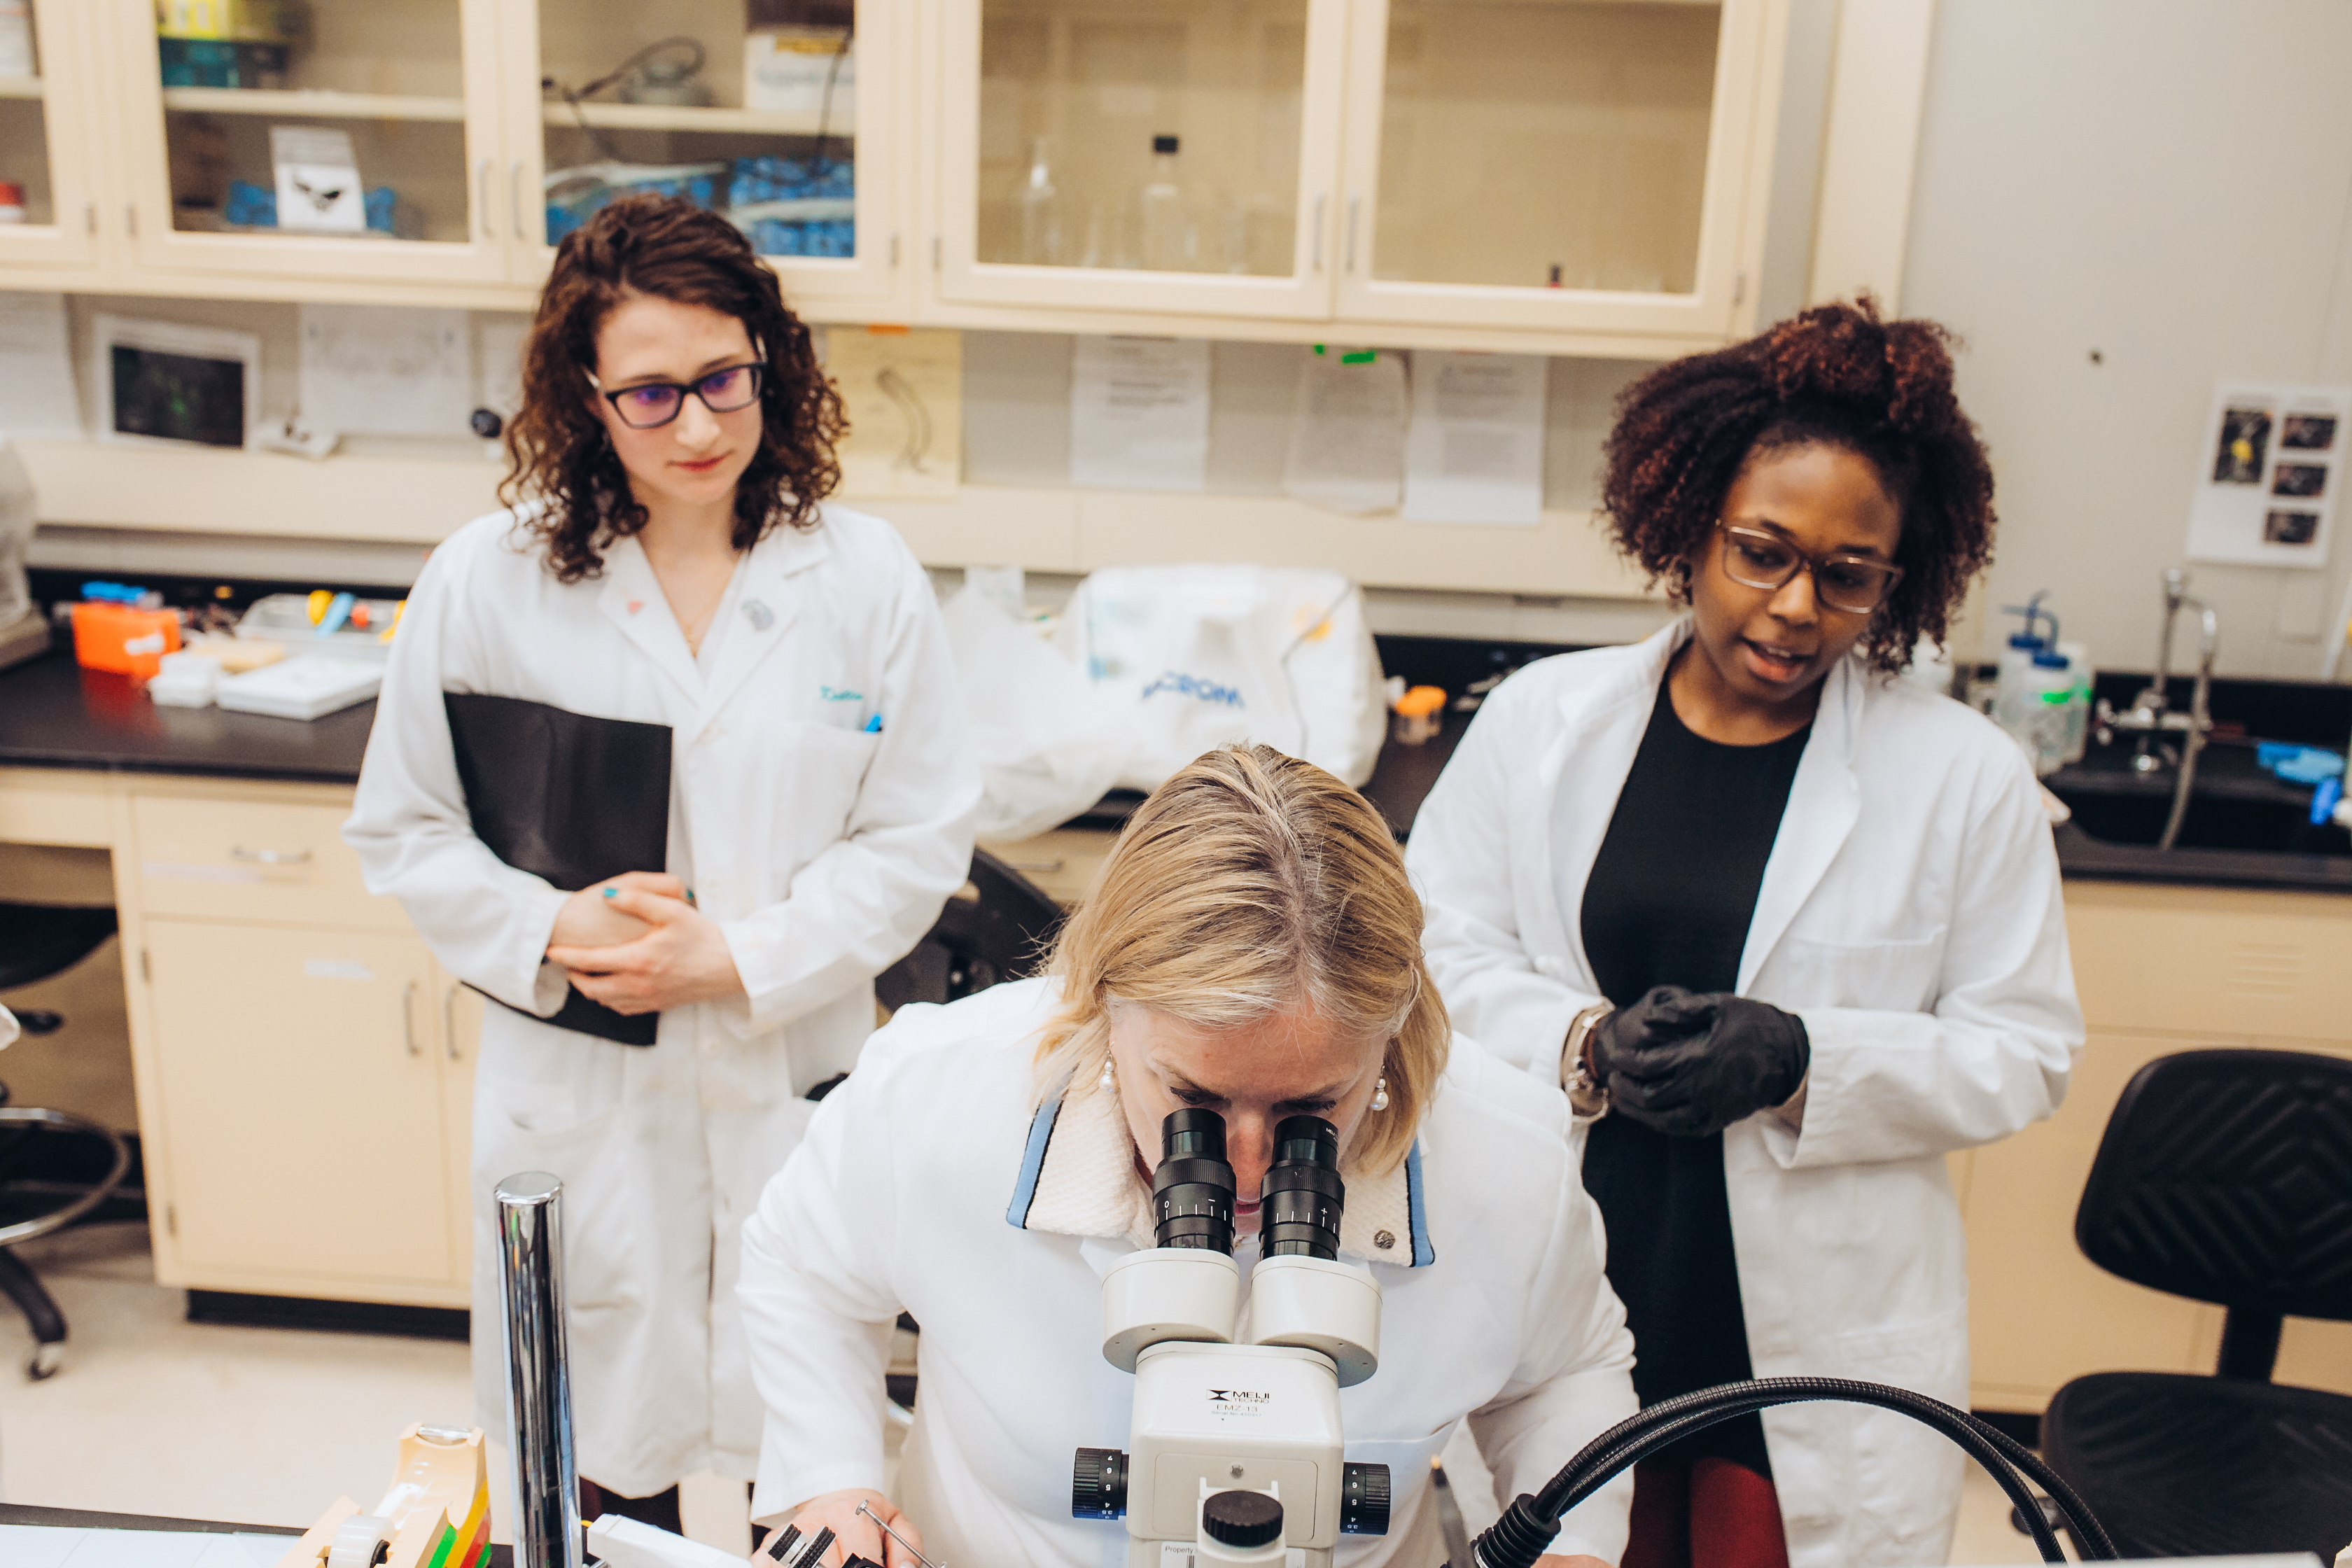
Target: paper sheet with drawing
column 1474, row 453
column 902, row 392
column 1346, row 430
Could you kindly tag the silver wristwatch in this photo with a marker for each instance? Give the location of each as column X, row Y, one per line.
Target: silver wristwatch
column 1586, row 1097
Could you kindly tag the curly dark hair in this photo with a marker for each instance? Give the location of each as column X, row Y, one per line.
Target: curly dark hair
column 1837, row 375
column 557, row 453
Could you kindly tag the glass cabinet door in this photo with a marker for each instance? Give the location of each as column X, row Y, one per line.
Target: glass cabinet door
column 753, row 107
column 1575, row 162
column 45, row 215
column 341, row 138
column 1140, row 155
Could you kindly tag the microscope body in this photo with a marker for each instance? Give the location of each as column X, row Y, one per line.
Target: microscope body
column 1229, row 1413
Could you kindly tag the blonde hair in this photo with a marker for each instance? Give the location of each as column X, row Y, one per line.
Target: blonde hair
column 1248, row 883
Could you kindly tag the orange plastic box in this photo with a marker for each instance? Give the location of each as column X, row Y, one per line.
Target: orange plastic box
column 122, row 639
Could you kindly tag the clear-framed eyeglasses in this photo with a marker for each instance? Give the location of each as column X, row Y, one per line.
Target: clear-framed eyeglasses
column 650, row 405
column 1854, row 584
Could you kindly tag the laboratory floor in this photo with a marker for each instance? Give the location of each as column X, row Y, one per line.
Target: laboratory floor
column 155, row 1414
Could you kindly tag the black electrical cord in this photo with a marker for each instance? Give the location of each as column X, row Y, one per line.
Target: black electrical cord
column 1698, row 1415
column 1529, row 1525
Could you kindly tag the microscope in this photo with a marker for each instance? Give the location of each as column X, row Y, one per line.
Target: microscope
column 1235, row 1452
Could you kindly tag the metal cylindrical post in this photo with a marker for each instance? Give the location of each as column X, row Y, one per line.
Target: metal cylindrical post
column 539, row 1381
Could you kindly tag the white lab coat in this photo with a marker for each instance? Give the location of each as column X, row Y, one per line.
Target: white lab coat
column 919, row 1188
column 823, row 848
column 1910, row 916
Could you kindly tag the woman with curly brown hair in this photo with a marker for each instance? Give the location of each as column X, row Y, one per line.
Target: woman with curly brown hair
column 1787, row 928
column 672, row 659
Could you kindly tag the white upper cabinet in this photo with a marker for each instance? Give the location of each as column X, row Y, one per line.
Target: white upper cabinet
column 1592, row 165
column 1162, row 156
column 242, row 152
column 789, row 116
column 1569, row 176
column 45, row 137
column 1563, row 166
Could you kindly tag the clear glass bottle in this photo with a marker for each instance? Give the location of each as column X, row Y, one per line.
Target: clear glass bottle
column 1166, row 230
column 1041, row 212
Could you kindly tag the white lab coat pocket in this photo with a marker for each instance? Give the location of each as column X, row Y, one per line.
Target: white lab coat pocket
column 1898, row 976
column 1414, row 1534
column 591, row 1159
column 827, row 768
column 1907, row 1475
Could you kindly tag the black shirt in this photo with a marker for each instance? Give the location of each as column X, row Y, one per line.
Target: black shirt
column 1668, row 902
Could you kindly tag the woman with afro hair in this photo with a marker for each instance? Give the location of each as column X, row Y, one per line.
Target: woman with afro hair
column 1787, row 928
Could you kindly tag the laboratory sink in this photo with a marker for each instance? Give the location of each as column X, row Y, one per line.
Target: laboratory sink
column 2235, row 804
column 2214, row 822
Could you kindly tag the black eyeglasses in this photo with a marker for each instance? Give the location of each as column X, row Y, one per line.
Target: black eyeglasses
column 651, row 405
column 1855, row 585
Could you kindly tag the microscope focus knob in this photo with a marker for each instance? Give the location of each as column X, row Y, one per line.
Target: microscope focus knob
column 1364, row 1499
column 1098, row 1484
column 1242, row 1520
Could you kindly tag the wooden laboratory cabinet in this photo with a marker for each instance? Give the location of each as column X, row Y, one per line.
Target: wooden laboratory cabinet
column 1583, row 177
column 305, row 1068
column 2160, row 969
column 47, row 141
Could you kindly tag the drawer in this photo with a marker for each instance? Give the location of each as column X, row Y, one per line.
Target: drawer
column 2229, row 962
column 51, row 809
column 1061, row 861
column 217, row 858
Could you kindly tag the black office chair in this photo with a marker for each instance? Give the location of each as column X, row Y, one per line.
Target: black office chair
column 997, row 929
column 41, row 1195
column 2224, row 1176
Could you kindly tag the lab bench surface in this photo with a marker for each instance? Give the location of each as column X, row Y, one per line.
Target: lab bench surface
column 56, row 714
column 84, row 1518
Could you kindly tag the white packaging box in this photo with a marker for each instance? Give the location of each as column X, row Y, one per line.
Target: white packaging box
column 785, row 72
column 310, row 687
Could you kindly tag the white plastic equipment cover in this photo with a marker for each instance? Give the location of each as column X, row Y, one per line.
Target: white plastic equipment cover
column 1204, row 654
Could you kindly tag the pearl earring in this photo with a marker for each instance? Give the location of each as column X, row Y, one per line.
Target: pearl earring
column 1107, row 1083
column 1381, row 1095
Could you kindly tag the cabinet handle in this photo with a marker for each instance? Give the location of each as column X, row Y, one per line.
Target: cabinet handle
column 1354, row 202
column 89, row 215
column 514, row 198
column 270, row 856
column 131, row 218
column 1320, row 203
column 449, row 1023
column 408, row 1018
column 482, row 183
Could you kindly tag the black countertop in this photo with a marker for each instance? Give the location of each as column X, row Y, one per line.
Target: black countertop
column 56, row 714
column 53, row 713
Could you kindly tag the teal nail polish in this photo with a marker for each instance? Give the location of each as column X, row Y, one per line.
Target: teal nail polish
column 611, row 891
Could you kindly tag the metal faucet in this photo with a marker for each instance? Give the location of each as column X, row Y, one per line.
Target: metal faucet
column 539, row 1380
column 2150, row 714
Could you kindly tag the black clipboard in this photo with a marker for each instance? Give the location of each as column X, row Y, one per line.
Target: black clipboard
column 570, row 798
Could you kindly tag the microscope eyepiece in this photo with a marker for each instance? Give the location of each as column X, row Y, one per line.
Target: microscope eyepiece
column 1303, row 1196
column 1192, row 1190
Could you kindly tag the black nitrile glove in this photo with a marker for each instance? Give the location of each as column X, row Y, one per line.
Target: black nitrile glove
column 1692, row 1063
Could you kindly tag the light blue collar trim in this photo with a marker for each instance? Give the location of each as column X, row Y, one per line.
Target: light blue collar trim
column 1423, row 1254
column 1032, row 1162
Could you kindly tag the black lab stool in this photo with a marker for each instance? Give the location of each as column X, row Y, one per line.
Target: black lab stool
column 38, row 940
column 998, row 927
column 2224, row 1176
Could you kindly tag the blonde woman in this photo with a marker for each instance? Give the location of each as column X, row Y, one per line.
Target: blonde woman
column 1251, row 946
